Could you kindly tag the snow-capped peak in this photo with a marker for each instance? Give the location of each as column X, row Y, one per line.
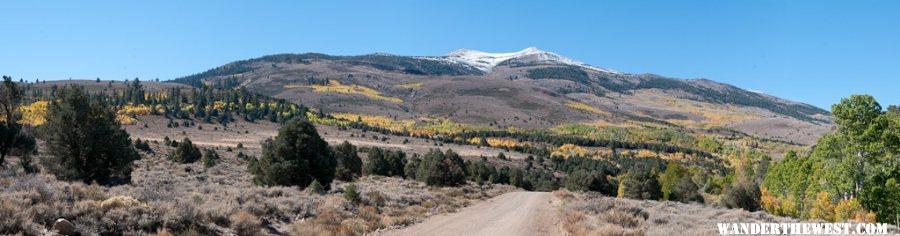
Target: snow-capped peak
column 485, row 61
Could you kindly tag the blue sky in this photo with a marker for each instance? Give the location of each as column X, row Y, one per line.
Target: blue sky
column 809, row 51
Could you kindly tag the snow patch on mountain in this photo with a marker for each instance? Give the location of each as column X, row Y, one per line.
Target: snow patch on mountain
column 486, row 61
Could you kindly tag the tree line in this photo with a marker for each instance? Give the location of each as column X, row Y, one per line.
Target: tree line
column 850, row 173
column 83, row 138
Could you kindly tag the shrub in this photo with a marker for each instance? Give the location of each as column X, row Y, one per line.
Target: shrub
column 242, row 156
column 297, row 156
column 316, row 188
column 352, row 194
column 744, row 195
column 210, row 158
column 186, row 152
column 143, row 146
column 244, row 223
column 84, row 139
column 349, row 165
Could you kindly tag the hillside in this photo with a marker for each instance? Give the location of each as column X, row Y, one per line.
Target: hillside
column 526, row 89
column 610, row 156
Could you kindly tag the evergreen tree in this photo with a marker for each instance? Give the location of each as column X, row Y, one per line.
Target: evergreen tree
column 584, row 180
column 412, row 166
column 12, row 139
column 186, row 152
column 349, row 165
column 84, row 139
column 297, row 156
column 441, row 169
column 376, row 163
column 397, row 161
column 639, row 183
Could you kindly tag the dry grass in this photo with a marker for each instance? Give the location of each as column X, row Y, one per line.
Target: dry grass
column 185, row 199
column 594, row 214
column 245, row 224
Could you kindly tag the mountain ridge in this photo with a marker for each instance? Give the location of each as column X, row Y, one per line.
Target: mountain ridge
column 486, row 61
column 509, row 89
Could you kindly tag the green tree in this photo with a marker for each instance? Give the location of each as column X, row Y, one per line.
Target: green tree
column 349, row 165
column 640, row 183
column 441, row 169
column 412, row 166
column 670, row 178
column 376, row 163
column 859, row 128
column 861, row 156
column 710, row 145
column 297, row 156
column 385, row 162
column 517, row 178
column 894, row 109
column 397, row 161
column 12, row 139
column 186, row 152
column 686, row 191
column 585, row 180
column 84, row 139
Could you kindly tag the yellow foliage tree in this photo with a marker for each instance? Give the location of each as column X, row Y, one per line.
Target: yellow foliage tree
column 496, row 142
column 822, row 208
column 770, row 203
column 789, row 207
column 335, row 86
column 33, row 114
column 850, row 209
column 570, row 150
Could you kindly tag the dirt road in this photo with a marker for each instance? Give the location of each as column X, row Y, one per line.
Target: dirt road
column 516, row 213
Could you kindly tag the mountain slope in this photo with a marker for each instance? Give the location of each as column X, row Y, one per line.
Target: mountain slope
column 526, row 89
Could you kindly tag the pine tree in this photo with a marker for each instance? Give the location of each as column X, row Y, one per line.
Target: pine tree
column 84, row 139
